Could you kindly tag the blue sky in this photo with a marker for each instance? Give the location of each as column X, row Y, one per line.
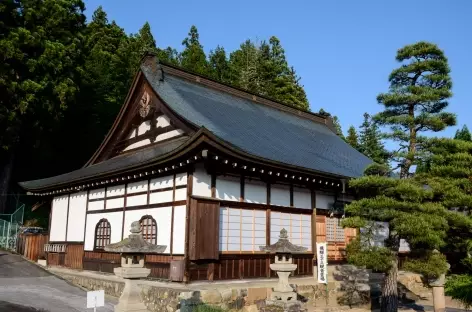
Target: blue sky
column 343, row 50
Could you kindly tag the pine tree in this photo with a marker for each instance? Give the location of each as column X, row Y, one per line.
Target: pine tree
column 245, row 68
column 193, row 57
column 219, row 65
column 370, row 141
column 447, row 174
column 352, row 137
column 415, row 103
column 336, row 123
column 463, row 134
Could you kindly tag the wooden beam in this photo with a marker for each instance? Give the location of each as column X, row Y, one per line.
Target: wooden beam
column 213, row 185
column 313, row 224
column 291, row 195
column 124, row 210
column 67, row 216
column 241, row 195
column 86, row 213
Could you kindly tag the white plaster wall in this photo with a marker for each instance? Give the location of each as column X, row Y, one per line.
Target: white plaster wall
column 116, row 190
column 143, row 127
column 181, row 179
column 136, row 187
column 59, row 218
column 228, row 188
column 181, row 194
column 138, row 144
column 160, row 197
column 163, row 219
column 97, row 193
column 168, row 135
column 161, row 182
column 163, row 121
column 115, row 203
column 298, row 227
column 324, row 201
column 77, row 211
column 241, row 229
column 136, row 200
column 255, row 192
column 179, row 230
column 115, row 219
column 301, row 198
column 96, row 205
column 280, row 195
column 201, row 182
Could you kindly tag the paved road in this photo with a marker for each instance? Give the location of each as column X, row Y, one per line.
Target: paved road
column 24, row 287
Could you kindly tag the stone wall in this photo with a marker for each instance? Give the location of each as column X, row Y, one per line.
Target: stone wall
column 111, row 288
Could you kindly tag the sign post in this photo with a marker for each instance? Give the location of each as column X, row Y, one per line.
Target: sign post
column 95, row 299
column 322, row 259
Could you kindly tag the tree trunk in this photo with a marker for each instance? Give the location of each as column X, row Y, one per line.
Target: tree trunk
column 6, row 169
column 389, row 300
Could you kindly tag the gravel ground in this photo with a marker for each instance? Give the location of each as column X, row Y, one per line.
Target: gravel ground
column 25, row 287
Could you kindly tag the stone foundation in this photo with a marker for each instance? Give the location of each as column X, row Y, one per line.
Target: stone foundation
column 346, row 285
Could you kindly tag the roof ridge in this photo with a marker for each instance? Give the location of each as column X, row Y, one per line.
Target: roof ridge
column 236, row 91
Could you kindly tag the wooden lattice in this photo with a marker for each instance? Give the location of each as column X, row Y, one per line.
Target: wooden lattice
column 102, row 234
column 149, row 229
column 334, row 230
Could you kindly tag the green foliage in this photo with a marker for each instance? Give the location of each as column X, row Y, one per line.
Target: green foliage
column 41, row 50
column 219, row 65
column 336, row 123
column 264, row 70
column 463, row 134
column 352, row 137
column 193, row 57
column 415, row 103
column 370, row 141
column 459, row 287
column 430, row 265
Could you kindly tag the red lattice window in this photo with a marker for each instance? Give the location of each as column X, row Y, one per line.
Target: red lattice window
column 102, row 234
column 149, row 229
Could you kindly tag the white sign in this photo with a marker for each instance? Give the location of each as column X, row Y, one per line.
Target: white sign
column 95, row 299
column 322, row 261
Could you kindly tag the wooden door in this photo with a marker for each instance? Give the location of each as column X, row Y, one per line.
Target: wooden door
column 204, row 229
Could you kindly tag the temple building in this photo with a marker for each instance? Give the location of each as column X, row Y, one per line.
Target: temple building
column 212, row 173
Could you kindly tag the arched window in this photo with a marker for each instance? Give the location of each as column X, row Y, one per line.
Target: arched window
column 149, row 229
column 102, row 234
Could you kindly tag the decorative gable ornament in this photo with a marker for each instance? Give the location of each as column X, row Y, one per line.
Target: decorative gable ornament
column 144, row 105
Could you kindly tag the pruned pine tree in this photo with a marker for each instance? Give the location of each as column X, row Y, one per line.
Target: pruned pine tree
column 415, row 103
column 447, row 173
column 418, row 95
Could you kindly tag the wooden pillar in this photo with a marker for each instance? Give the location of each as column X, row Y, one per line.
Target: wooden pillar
column 268, row 229
column 187, row 227
column 313, row 225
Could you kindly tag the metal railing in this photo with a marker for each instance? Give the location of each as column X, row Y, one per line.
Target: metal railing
column 10, row 228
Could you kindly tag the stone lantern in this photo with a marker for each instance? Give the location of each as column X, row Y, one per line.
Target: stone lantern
column 132, row 250
column 283, row 265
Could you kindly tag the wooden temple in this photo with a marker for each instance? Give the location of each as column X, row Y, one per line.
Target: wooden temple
column 211, row 172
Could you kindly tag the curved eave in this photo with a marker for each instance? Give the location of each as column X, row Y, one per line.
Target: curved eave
column 202, row 139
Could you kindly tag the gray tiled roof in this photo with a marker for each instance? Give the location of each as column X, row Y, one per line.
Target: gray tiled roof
column 114, row 164
column 258, row 129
